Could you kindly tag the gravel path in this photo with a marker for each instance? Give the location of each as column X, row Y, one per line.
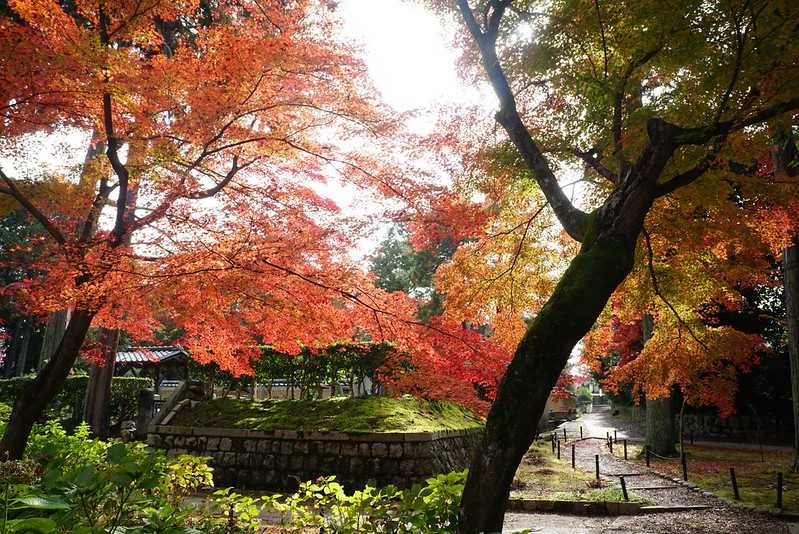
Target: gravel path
column 719, row 518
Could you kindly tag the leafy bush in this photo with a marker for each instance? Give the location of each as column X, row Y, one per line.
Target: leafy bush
column 324, row 505
column 71, row 483
column 75, row 484
column 5, row 411
column 67, row 405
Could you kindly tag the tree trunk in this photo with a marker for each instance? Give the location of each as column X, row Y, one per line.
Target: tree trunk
column 790, row 257
column 98, row 390
column 56, row 325
column 660, row 435
column 30, row 404
column 23, row 341
column 542, row 354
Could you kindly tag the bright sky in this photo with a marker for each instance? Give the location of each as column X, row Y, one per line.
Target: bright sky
column 408, row 51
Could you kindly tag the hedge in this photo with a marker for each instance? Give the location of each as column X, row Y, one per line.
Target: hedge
column 68, row 404
column 308, row 371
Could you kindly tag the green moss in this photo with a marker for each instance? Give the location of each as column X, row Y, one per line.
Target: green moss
column 343, row 414
column 709, row 469
column 542, row 476
column 5, row 411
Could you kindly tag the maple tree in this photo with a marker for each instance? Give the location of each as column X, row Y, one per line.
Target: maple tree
column 653, row 101
column 211, row 128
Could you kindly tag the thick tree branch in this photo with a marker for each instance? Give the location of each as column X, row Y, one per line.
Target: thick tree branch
column 211, row 191
column 703, row 134
column 48, row 225
column 112, row 151
column 591, row 159
column 573, row 220
column 689, row 176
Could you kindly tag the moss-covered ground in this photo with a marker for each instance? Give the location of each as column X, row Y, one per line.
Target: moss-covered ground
column 542, row 476
column 755, row 471
column 343, row 414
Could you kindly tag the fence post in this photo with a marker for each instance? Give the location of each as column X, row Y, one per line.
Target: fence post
column 564, row 434
column 734, row 484
column 646, row 450
column 684, row 460
column 552, row 439
column 581, row 432
column 610, row 446
column 558, row 449
column 615, row 437
column 573, row 465
column 624, row 489
column 625, row 448
column 596, row 461
column 779, row 490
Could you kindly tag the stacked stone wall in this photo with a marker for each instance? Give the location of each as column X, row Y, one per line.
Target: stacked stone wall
column 279, row 460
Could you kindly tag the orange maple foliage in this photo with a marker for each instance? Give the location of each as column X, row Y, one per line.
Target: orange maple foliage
column 215, row 128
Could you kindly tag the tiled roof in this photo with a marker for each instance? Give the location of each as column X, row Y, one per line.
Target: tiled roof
column 152, row 355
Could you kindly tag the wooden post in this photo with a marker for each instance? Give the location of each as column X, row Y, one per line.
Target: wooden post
column 684, row 460
column 615, row 437
column 552, row 439
column 734, row 481
column 779, row 490
column 581, row 432
column 646, row 450
column 573, row 465
column 564, row 434
column 558, row 449
column 624, row 489
column 610, row 445
column 625, row 448
column 596, row 461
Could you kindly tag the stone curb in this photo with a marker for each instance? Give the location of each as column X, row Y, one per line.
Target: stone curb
column 574, row 507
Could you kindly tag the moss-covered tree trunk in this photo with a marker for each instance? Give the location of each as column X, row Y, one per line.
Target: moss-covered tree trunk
column 660, row 435
column 567, row 316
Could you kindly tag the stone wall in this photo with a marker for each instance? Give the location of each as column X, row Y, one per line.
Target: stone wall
column 709, row 426
column 280, row 459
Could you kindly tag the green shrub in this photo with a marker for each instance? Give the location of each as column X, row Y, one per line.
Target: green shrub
column 88, row 486
column 72, row 483
column 67, row 406
column 5, row 411
column 324, row 505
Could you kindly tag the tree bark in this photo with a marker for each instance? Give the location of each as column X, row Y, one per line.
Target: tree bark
column 30, row 404
column 790, row 258
column 54, row 331
column 660, row 436
column 569, row 313
column 98, row 390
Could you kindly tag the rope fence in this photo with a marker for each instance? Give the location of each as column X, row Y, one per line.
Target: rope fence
column 739, row 481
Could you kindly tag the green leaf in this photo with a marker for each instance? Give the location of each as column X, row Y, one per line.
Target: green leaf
column 40, row 503
column 117, row 453
column 40, row 525
column 85, row 476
